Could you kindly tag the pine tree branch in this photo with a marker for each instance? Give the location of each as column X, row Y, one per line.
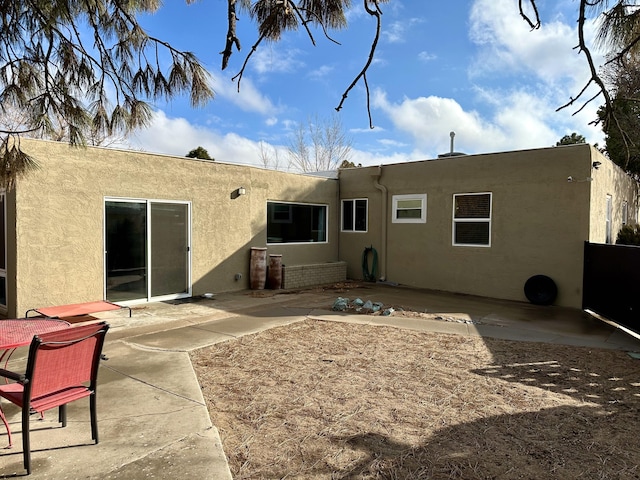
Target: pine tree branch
column 377, row 13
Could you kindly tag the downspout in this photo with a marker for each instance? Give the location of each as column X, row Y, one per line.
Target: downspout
column 383, row 223
column 338, row 228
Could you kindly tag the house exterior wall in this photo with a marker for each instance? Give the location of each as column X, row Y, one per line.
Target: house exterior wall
column 56, row 235
column 609, row 179
column 539, row 221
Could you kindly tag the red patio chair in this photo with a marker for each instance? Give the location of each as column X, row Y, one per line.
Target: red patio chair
column 62, row 367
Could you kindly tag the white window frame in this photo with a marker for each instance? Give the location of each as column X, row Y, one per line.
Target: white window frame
column 148, row 202
column 455, row 220
column 423, row 209
column 353, row 215
column 608, row 228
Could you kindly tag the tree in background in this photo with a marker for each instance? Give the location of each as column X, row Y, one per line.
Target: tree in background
column 16, row 120
column 349, row 164
column 98, row 81
column 200, row 153
column 622, row 134
column 629, row 235
column 571, row 139
column 92, row 67
column 620, row 115
column 269, row 155
column 319, row 145
column 621, row 125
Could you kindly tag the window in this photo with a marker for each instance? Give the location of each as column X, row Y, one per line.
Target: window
column 296, row 223
column 354, row 215
column 607, row 221
column 625, row 212
column 472, row 219
column 281, row 213
column 410, row 208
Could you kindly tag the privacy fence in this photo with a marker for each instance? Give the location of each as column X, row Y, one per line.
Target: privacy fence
column 611, row 284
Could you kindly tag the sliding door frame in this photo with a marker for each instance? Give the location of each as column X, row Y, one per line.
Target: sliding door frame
column 149, row 241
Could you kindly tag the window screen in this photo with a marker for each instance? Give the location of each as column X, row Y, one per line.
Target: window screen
column 472, row 219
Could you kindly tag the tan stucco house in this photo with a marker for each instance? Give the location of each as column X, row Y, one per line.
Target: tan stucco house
column 134, row 227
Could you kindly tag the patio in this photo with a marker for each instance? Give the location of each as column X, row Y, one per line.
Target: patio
column 152, row 415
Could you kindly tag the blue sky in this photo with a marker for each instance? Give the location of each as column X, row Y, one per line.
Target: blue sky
column 469, row 66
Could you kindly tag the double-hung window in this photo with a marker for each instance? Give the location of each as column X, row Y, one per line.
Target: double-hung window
column 296, row 222
column 472, row 219
column 354, row 215
column 409, row 208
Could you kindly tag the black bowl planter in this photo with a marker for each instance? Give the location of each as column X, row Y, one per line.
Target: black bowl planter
column 541, row 290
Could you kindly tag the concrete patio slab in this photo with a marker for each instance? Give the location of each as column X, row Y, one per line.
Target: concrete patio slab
column 153, row 420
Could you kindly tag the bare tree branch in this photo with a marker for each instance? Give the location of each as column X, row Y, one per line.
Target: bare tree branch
column 232, row 39
column 320, row 145
column 535, row 24
column 377, row 13
column 239, row 75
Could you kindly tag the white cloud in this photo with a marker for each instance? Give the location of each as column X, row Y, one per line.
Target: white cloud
column 543, row 71
column 388, row 142
column 426, row 56
column 509, row 47
column 397, row 32
column 274, row 58
column 321, row 72
column 176, row 136
column 249, row 98
column 520, row 120
column 543, row 63
column 518, row 79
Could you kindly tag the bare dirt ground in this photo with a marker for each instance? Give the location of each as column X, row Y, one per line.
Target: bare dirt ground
column 325, row 400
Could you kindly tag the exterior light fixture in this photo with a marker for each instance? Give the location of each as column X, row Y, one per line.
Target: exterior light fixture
column 241, row 191
column 570, row 179
column 596, row 165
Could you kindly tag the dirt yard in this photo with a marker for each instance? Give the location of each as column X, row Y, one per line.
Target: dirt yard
column 325, row 400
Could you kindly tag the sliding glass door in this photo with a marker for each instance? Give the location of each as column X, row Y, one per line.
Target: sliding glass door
column 147, row 254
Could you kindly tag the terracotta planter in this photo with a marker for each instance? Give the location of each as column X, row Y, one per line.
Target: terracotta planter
column 274, row 278
column 258, row 268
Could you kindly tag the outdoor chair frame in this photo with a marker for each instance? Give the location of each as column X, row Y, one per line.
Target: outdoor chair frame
column 62, row 367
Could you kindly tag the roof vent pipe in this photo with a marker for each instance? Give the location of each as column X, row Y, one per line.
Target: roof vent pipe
column 451, row 152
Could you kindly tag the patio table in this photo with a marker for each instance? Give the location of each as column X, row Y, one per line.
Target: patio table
column 19, row 332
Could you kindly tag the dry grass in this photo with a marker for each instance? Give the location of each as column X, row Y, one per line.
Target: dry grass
column 327, row 400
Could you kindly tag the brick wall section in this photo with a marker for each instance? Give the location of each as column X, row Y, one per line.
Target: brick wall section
column 296, row 276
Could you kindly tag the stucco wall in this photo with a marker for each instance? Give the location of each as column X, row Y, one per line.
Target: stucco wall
column 609, row 179
column 59, row 248
column 539, row 222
